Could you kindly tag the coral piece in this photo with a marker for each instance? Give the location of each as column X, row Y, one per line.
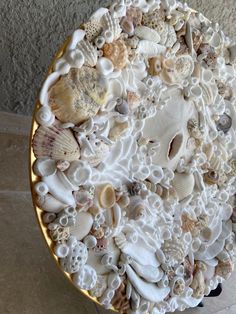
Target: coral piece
column 92, row 28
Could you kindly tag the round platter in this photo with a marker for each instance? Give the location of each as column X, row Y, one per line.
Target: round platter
column 133, row 157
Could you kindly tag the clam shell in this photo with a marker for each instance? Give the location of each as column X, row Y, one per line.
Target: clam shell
column 79, row 95
column 112, row 25
column 107, row 196
column 83, row 225
column 89, row 51
column 117, row 52
column 147, row 33
column 183, row 184
column 55, row 143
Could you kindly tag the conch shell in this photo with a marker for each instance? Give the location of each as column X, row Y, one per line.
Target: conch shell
column 78, row 95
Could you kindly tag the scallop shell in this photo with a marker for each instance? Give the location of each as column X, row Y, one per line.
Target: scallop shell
column 78, row 95
column 117, row 52
column 135, row 15
column 112, row 25
column 224, row 269
column 174, row 251
column 147, row 33
column 89, row 51
column 107, row 196
column 55, row 143
column 92, row 28
column 183, row 184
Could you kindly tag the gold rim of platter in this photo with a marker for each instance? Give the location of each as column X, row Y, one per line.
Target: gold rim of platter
column 33, row 179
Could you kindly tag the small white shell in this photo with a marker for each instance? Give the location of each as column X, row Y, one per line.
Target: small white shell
column 150, row 49
column 83, row 225
column 41, row 188
column 44, row 167
column 78, row 173
column 112, row 25
column 90, row 241
column 105, row 66
column 50, row 204
column 85, row 278
column 61, row 250
column 183, row 184
column 75, row 58
column 147, row 33
column 44, row 116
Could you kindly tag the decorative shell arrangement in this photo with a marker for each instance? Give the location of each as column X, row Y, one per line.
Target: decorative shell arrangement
column 133, row 157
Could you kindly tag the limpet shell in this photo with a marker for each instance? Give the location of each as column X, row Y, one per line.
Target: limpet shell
column 117, row 52
column 107, row 196
column 78, row 95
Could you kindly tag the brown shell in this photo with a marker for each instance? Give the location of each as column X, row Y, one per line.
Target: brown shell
column 188, row 224
column 120, row 301
column 224, row 269
column 211, row 177
column 117, row 52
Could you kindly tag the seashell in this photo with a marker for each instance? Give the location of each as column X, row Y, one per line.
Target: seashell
column 188, row 224
column 120, row 301
column 44, row 167
column 183, row 184
column 113, row 216
column 83, row 200
column 90, row 241
column 76, row 257
column 61, row 250
column 92, row 28
column 60, row 234
column 100, row 152
column 148, row 291
column 198, row 284
column 41, row 188
column 100, row 41
column 224, row 269
column 135, row 15
column 85, row 278
column 101, row 247
column 152, row 18
column 55, row 143
column 150, row 49
column 188, row 269
column 63, row 165
column 174, row 251
column 184, row 66
column 224, row 90
column 224, row 123
column 50, row 204
column 49, row 217
column 89, row 52
column 117, row 52
column 147, row 33
column 124, row 201
column 44, row 116
column 155, row 65
column 112, row 25
column 83, row 225
column 107, row 196
column 104, row 66
column 140, row 251
column 133, row 100
column 78, row 173
column 118, row 130
column 78, row 95
column 132, row 42
column 135, row 188
column 122, row 107
column 100, row 287
column 211, row 177
column 127, row 26
column 178, row 286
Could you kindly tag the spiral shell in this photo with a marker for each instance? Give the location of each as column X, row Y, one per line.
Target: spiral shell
column 78, row 95
column 117, row 52
column 55, row 143
column 224, row 123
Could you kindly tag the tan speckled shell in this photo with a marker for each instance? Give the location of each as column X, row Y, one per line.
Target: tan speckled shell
column 107, row 196
column 78, row 95
column 117, row 52
column 55, row 143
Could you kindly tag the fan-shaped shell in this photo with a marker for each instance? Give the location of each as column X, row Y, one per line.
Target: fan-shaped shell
column 183, row 184
column 55, row 143
column 78, row 95
column 117, row 52
column 89, row 52
column 111, row 24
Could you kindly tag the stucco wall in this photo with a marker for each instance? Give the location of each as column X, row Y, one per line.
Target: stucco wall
column 31, row 31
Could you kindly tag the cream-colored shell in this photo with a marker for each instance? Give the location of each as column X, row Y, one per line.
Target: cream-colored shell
column 183, row 184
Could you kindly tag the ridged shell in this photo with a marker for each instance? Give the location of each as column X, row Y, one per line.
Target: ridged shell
column 92, row 29
column 99, row 155
column 147, row 33
column 83, row 225
column 55, row 143
column 183, row 184
column 78, row 95
column 112, row 24
column 188, row 224
column 117, row 52
column 89, row 51
column 174, row 251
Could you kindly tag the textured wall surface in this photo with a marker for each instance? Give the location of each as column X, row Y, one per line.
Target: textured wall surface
column 31, row 31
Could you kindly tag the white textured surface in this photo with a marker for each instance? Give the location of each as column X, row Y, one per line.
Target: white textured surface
column 32, row 31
